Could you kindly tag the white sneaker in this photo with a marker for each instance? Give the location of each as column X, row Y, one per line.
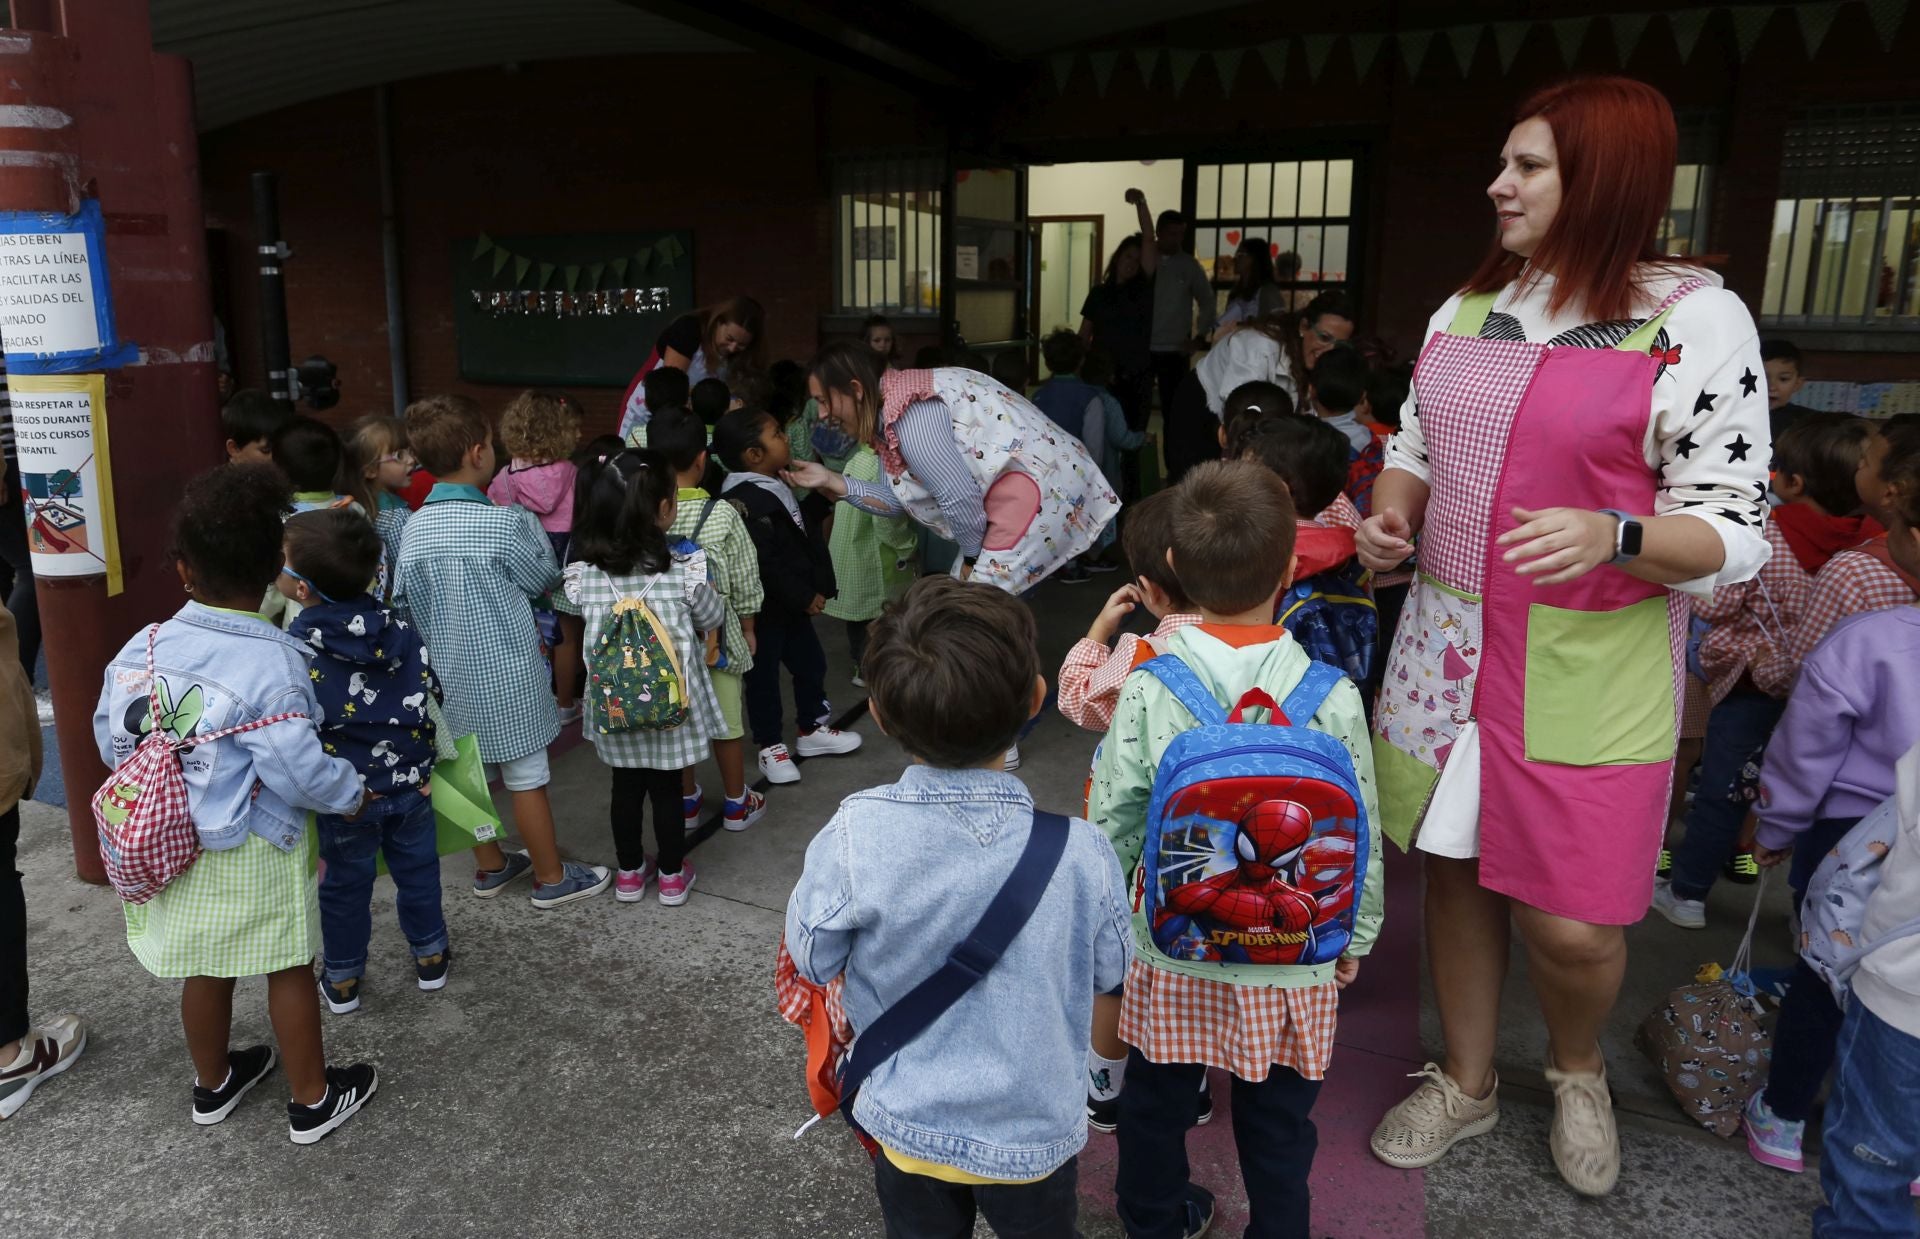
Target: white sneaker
column 857, row 681
column 826, row 742
column 1419, row 1131
column 1585, row 1143
column 1013, row 758
column 1686, row 913
column 776, row 764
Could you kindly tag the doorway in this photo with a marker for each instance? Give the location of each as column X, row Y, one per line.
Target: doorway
column 1070, row 264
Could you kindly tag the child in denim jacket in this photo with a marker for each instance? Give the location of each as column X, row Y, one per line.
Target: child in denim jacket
column 246, row 907
column 370, row 675
column 984, row 1113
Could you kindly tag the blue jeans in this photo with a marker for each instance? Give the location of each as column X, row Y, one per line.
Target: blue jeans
column 1737, row 727
column 401, row 827
column 1871, row 1149
column 1272, row 1133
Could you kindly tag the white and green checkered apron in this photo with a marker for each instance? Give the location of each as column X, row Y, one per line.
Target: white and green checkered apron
column 242, row 912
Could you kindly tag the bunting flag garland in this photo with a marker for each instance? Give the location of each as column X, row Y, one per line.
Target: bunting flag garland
column 1508, row 36
column 1147, row 58
column 1062, row 70
column 1886, row 15
column 1274, row 53
column 1226, row 65
column 661, row 255
column 1627, row 29
column 545, row 272
column 594, row 273
column 619, row 270
column 667, row 250
column 1687, row 25
column 520, row 266
column 1413, row 49
column 500, row 257
column 1748, row 22
column 1103, row 62
column 1365, row 47
column 640, row 262
column 1569, row 32
column 570, row 275
column 1464, row 40
column 1180, row 62
column 1815, row 21
column 1318, row 47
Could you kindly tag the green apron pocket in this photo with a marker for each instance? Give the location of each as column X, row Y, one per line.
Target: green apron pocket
column 1405, row 784
column 1600, row 685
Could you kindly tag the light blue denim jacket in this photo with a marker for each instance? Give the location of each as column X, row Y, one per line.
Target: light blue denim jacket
column 219, row 669
column 998, row 1086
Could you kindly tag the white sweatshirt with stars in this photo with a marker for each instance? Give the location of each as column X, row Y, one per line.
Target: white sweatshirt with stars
column 1707, row 430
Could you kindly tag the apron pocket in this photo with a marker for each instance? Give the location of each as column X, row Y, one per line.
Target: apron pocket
column 1599, row 685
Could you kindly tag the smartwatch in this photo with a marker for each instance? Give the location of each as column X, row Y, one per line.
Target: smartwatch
column 1626, row 541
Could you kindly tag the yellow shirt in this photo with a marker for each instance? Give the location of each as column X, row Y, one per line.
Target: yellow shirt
column 947, row 1174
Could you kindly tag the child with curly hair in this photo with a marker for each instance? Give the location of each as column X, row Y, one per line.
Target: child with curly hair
column 540, row 429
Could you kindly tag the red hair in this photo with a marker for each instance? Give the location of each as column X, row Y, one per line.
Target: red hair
column 1617, row 144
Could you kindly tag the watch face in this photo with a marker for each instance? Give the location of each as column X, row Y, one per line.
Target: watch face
column 1630, row 537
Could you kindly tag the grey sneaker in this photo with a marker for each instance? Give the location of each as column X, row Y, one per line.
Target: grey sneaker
column 1686, row 913
column 1585, row 1144
column 487, row 884
column 46, row 1050
column 1419, row 1131
column 578, row 882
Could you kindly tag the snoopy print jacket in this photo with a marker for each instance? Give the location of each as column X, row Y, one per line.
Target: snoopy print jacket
column 371, row 676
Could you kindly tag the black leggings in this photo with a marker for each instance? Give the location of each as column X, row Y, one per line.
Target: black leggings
column 633, row 786
column 17, row 559
column 13, row 933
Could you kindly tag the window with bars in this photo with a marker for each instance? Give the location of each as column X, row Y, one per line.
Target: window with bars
column 1302, row 209
column 1846, row 222
column 886, row 241
column 1683, row 229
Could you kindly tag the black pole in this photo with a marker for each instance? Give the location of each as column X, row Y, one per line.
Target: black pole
column 275, row 351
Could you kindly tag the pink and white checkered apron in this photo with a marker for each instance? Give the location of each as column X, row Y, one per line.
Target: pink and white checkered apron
column 1516, row 424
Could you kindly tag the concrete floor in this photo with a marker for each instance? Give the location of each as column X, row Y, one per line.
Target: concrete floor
column 612, row 1068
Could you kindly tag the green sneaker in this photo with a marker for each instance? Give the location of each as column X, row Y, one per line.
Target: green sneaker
column 1742, row 869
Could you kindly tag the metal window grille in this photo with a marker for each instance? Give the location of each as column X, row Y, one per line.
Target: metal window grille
column 886, row 238
column 1846, row 224
column 1302, row 209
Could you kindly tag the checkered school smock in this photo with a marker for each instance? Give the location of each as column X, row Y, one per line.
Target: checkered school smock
column 1246, row 1029
column 872, row 555
column 593, row 592
column 469, row 571
column 241, row 912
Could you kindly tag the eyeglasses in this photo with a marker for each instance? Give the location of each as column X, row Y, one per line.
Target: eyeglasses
column 397, row 458
column 320, row 593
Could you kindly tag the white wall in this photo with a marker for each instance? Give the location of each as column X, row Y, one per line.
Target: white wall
column 1100, row 189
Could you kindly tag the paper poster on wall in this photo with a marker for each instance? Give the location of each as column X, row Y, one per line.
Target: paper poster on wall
column 56, row 313
column 66, row 481
column 966, row 262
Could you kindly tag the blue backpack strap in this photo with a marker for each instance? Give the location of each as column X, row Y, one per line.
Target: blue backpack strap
column 1006, row 915
column 1311, row 693
column 1186, row 688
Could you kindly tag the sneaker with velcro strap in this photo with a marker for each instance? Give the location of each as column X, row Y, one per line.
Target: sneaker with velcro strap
column 348, row 1088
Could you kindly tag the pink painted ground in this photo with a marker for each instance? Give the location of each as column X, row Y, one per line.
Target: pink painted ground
column 1377, row 1045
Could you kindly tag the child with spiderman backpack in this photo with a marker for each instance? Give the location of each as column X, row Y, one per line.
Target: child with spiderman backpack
column 1256, row 866
column 650, row 709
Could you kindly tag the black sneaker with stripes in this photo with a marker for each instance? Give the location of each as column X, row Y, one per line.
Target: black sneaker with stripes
column 245, row 1068
column 348, row 1088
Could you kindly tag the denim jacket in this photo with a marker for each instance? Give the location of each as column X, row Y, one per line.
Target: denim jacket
column 997, row 1087
column 218, row 669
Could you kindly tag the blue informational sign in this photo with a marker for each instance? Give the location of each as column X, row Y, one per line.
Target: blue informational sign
column 56, row 310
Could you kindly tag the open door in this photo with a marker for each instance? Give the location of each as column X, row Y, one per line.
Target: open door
column 984, row 303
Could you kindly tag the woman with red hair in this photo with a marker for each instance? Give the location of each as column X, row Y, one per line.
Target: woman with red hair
column 1584, row 447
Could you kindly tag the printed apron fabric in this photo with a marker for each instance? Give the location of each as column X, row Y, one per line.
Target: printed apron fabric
column 1574, row 688
column 1046, row 499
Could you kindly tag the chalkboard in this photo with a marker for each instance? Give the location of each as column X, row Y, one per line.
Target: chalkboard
column 572, row 310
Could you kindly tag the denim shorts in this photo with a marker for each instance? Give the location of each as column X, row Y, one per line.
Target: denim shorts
column 522, row 774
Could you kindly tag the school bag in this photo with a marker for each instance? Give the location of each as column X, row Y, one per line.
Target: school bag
column 834, row 1074
column 688, row 547
column 1333, row 617
column 147, row 837
column 634, row 678
column 1832, row 940
column 1257, row 833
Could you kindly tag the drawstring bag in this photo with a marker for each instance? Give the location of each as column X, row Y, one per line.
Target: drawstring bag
column 1708, row 1041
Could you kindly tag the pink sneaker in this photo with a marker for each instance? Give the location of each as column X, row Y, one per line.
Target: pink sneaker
column 674, row 886
column 630, row 885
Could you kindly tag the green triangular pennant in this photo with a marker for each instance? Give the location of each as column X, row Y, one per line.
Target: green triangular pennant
column 1815, row 21
column 667, row 250
column 1748, row 23
column 570, row 274
column 1180, row 62
column 594, row 273
column 500, row 257
column 520, row 266
column 1146, row 58
column 1102, row 62
column 482, row 245
column 1508, row 36
column 1318, row 47
column 1687, row 25
column 1274, row 54
column 545, row 272
column 1365, row 47
column 641, row 261
column 1570, row 32
column 1226, row 64
column 1886, row 16
column 620, row 270
column 1627, row 29
column 1062, row 63
column 1413, row 49
column 1464, row 40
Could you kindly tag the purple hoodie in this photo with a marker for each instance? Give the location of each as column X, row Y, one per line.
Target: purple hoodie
column 544, row 490
column 1854, row 712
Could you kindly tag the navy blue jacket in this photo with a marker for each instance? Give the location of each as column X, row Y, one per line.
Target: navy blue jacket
column 371, row 676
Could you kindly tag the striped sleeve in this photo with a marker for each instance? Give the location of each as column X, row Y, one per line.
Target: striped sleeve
column 927, row 445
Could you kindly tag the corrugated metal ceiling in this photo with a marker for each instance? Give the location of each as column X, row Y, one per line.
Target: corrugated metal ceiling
column 253, row 56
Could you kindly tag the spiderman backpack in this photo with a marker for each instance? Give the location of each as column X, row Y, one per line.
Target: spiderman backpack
column 1257, row 833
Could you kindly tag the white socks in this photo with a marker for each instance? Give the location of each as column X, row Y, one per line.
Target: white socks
column 1105, row 1075
column 218, row 1087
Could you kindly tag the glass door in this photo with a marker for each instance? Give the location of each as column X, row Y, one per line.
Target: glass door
column 984, row 305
